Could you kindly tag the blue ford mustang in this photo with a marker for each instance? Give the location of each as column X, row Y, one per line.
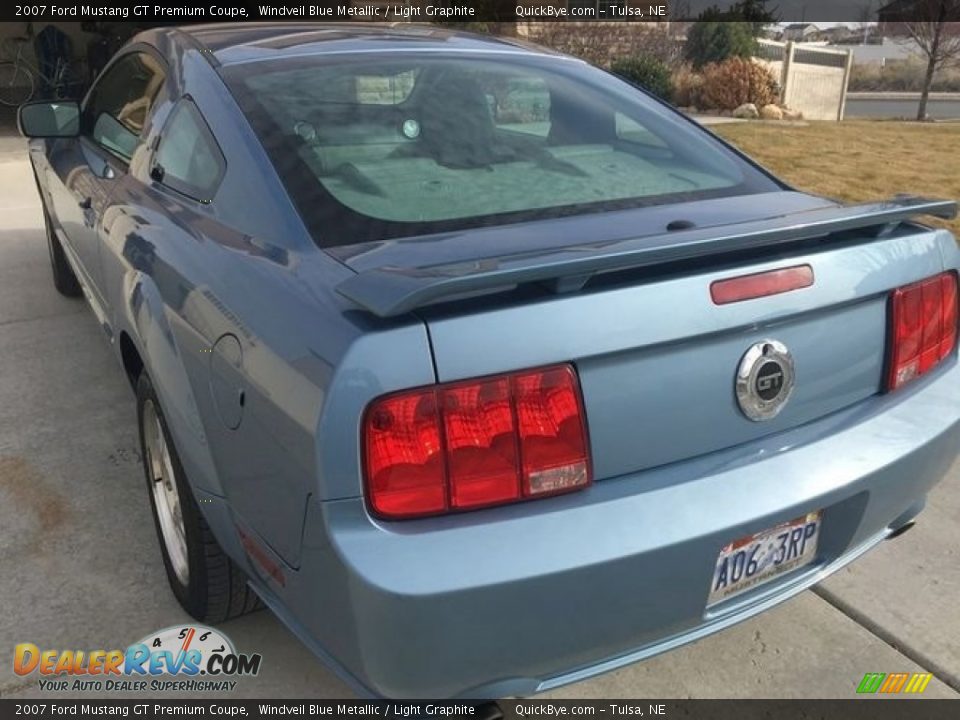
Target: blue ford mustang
column 483, row 369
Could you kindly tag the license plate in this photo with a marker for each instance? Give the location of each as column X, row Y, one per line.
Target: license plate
column 753, row 560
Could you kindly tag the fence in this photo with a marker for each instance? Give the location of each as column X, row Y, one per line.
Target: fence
column 813, row 79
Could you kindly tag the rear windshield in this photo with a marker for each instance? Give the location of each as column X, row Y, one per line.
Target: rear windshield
column 379, row 146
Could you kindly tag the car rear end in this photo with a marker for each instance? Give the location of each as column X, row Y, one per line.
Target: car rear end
column 533, row 593
column 648, row 420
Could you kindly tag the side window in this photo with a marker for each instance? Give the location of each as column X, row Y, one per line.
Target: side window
column 634, row 132
column 521, row 104
column 384, row 89
column 188, row 158
column 117, row 109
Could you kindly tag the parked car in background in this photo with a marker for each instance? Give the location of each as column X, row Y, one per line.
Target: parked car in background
column 484, row 370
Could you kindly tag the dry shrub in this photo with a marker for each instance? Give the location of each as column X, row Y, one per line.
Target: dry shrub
column 687, row 85
column 729, row 84
column 902, row 76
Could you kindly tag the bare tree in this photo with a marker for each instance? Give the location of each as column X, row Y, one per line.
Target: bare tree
column 680, row 17
column 935, row 29
column 865, row 15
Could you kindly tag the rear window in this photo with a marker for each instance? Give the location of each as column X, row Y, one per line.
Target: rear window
column 372, row 148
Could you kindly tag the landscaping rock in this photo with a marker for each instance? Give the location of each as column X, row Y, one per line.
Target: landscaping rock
column 771, row 112
column 789, row 114
column 747, row 111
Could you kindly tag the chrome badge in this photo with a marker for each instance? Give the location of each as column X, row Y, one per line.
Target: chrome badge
column 764, row 380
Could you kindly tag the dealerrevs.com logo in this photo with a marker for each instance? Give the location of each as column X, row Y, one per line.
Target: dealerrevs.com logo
column 191, row 658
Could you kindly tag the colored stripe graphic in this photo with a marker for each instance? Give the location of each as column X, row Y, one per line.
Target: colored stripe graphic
column 871, row 682
column 892, row 683
column 918, row 683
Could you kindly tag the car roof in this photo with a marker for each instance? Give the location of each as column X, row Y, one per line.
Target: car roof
column 230, row 43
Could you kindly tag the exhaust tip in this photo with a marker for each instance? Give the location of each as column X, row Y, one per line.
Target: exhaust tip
column 901, row 530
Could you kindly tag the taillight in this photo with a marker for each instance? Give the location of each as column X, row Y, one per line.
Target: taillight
column 552, row 435
column 404, row 454
column 480, row 435
column 476, row 443
column 923, row 327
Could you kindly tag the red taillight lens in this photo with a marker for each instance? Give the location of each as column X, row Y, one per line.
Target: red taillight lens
column 477, row 443
column 923, row 327
column 552, row 441
column 404, row 455
column 948, row 306
column 481, row 443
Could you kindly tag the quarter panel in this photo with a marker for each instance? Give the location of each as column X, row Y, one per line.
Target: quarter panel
column 189, row 280
column 185, row 274
column 181, row 275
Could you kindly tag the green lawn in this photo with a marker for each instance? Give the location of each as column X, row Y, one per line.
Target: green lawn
column 858, row 160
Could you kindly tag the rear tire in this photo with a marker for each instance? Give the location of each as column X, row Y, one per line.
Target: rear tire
column 64, row 280
column 16, row 84
column 205, row 581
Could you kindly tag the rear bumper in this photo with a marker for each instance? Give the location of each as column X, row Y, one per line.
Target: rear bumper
column 516, row 600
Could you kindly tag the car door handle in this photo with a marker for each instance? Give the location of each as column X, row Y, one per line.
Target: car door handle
column 85, row 203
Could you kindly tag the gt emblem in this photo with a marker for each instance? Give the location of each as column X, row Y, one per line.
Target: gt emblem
column 769, row 380
column 764, row 380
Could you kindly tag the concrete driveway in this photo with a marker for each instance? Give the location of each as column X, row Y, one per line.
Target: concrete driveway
column 80, row 566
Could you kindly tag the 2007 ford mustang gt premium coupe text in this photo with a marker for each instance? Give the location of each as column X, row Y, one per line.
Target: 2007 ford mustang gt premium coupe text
column 485, row 370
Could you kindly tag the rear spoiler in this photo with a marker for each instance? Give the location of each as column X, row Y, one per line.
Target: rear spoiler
column 389, row 291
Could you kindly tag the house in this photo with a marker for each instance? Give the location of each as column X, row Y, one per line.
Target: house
column 889, row 50
column 841, row 35
column 800, row 32
column 771, row 32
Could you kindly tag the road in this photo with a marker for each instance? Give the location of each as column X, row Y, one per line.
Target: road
column 941, row 106
column 81, row 568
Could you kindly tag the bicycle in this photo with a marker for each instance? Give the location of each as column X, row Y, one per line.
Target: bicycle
column 17, row 84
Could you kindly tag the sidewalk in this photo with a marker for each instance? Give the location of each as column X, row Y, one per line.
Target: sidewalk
column 716, row 119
